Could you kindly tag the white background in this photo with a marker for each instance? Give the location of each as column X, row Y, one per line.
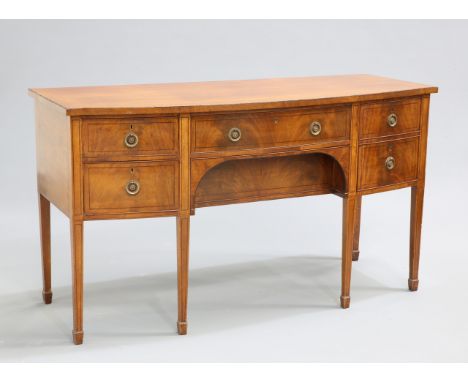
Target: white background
column 265, row 277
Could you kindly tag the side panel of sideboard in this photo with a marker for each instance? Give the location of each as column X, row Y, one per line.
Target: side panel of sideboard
column 53, row 154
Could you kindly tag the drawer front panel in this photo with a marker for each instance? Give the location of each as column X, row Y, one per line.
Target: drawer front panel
column 125, row 137
column 388, row 163
column 131, row 187
column 269, row 129
column 390, row 118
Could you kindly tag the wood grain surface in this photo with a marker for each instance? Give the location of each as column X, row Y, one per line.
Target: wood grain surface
column 228, row 95
column 269, row 129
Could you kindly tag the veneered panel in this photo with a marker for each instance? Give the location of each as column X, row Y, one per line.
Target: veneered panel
column 228, row 95
column 106, row 138
column 105, row 187
column 269, row 129
column 374, row 118
column 373, row 171
column 53, row 154
column 266, row 178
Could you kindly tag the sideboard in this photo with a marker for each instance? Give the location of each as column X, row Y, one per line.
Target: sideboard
column 139, row 151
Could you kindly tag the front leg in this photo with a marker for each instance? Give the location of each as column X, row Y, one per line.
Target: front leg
column 183, row 231
column 349, row 205
column 417, row 197
column 76, row 236
column 44, row 217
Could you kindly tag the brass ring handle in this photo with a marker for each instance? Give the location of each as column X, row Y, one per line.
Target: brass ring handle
column 315, row 128
column 392, row 120
column 234, row 134
column 131, row 140
column 390, row 163
column 132, row 187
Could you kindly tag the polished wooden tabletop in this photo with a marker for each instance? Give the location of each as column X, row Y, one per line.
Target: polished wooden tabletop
column 228, row 95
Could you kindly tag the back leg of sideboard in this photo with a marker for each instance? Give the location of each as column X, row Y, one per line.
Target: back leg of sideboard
column 44, row 217
column 183, row 233
column 357, row 228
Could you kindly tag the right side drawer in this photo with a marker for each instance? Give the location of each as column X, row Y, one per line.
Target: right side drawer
column 389, row 118
column 387, row 163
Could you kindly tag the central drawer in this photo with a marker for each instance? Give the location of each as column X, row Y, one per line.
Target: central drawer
column 113, row 188
column 269, row 129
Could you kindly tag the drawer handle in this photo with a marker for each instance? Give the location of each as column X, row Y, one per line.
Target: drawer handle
column 315, row 128
column 392, row 120
column 133, row 187
column 234, row 134
column 390, row 163
column 131, row 140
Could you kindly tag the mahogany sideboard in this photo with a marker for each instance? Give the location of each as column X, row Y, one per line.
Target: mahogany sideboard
column 139, row 151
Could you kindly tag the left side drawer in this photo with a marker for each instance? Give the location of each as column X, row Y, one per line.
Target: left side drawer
column 115, row 188
column 109, row 139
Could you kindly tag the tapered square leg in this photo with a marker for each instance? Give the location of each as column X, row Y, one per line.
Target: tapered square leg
column 357, row 228
column 349, row 205
column 183, row 231
column 76, row 235
column 417, row 198
column 44, row 217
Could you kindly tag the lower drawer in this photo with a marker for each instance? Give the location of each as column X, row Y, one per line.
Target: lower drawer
column 387, row 163
column 116, row 188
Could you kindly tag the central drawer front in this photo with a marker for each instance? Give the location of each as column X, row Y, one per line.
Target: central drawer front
column 113, row 188
column 110, row 139
column 269, row 129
